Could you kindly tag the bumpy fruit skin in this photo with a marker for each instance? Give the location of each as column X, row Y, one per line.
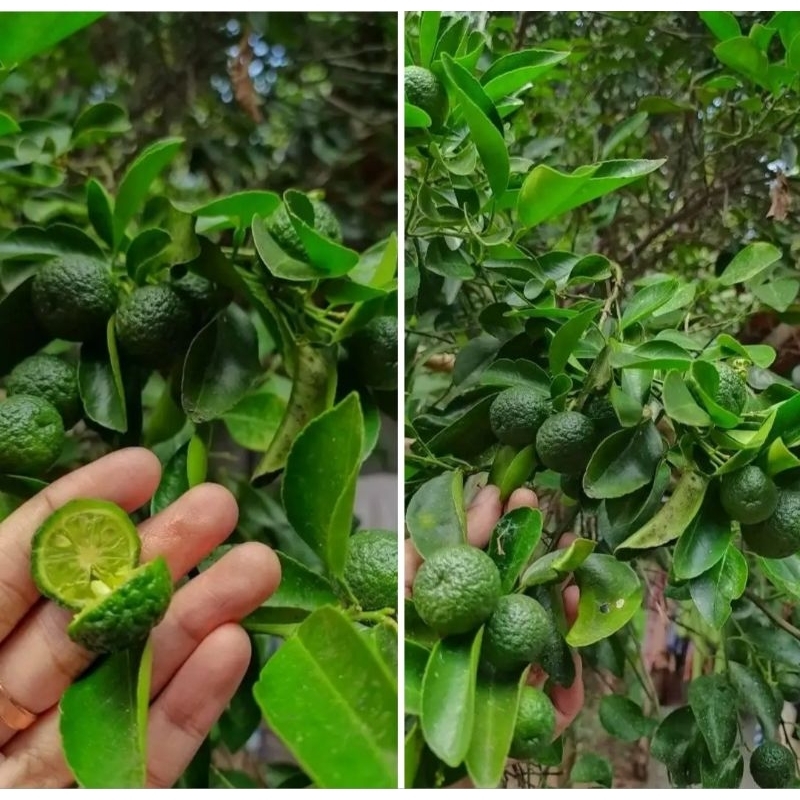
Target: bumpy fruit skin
column 371, row 569
column 731, row 393
column 456, row 589
column 535, row 725
column 31, row 435
column 515, row 634
column 565, row 442
column 373, row 350
column 154, row 325
column 73, row 298
column 601, row 412
column 426, row 91
column 127, row 615
column 52, row 379
column 280, row 228
column 202, row 296
column 772, row 766
column 778, row 536
column 748, row 495
column 516, row 415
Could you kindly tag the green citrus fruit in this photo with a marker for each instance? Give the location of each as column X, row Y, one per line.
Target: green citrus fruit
column 280, row 228
column 52, row 379
column 154, row 325
column 73, row 297
column 31, row 435
column 565, row 442
column 202, row 296
column 772, row 766
column 424, row 90
column 83, row 551
column 731, row 391
column 535, row 725
column 515, row 633
column 371, row 569
column 516, row 414
column 601, row 412
column 456, row 589
column 373, row 350
column 748, row 495
column 778, row 536
column 127, row 613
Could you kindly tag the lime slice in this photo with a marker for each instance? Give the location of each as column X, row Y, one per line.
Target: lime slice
column 83, row 551
column 126, row 615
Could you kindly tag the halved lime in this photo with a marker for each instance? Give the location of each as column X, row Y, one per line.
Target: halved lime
column 83, row 551
column 126, row 615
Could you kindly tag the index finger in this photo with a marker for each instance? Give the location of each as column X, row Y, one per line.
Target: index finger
column 127, row 477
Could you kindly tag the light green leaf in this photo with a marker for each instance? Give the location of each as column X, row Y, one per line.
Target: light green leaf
column 99, row 121
column 435, row 517
column 428, row 36
column 568, row 336
column 744, row 56
column 749, row 262
column 23, row 34
column 621, row 132
column 300, row 588
column 556, row 565
column 679, row 403
column 513, row 71
column 238, row 209
column 723, row 24
column 782, row 573
column 415, row 117
column 714, row 590
column 646, row 301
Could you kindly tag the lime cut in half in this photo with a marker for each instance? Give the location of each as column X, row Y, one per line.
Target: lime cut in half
column 128, row 614
column 84, row 551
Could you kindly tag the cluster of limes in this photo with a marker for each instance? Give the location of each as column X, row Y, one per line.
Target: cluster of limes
column 456, row 591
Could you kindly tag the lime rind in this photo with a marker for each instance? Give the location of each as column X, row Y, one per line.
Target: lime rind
column 128, row 614
column 83, row 545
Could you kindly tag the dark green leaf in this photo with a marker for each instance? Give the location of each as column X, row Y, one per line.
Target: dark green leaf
column 646, row 301
column 174, row 481
column 100, row 382
column 513, row 71
column 513, row 541
column 623, row 718
column 755, row 696
column 713, row 703
column 435, row 517
column 568, row 336
column 714, row 590
column 99, row 121
column 704, row 542
column 674, row 744
column 591, row 768
column 20, row 332
column 725, row 775
column 101, row 214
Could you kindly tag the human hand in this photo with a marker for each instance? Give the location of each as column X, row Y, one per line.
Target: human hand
column 199, row 650
column 482, row 516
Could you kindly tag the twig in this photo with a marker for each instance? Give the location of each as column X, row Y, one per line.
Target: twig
column 776, row 618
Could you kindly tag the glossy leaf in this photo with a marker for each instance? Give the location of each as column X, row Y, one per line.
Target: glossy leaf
column 556, row 565
column 755, row 696
column 611, row 594
column 20, row 332
column 591, row 768
column 435, row 517
column 674, row 744
column 514, row 71
column 100, row 382
column 646, row 301
column 624, row 462
column 448, row 697
column 55, row 240
column 713, row 702
column 254, row 421
column 300, row 588
column 220, row 366
column 723, row 24
column 23, row 34
column 414, row 662
column 174, row 481
column 415, row 117
column 704, row 542
column 749, row 262
column 513, row 541
column 344, row 733
column 511, row 468
column 568, row 336
column 624, row 719
column 782, row 573
column 714, row 590
column 239, row 208
column 679, row 403
column 99, row 121
column 742, row 55
column 101, row 214
column 104, row 721
column 319, row 483
column 428, row 35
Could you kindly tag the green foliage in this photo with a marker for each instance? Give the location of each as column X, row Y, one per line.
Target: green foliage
column 584, row 228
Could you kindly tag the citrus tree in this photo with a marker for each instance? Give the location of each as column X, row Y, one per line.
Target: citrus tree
column 645, row 426
column 242, row 341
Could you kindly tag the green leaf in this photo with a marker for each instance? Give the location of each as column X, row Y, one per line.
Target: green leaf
column 548, row 193
column 591, row 768
column 744, row 56
column 513, row 541
column 662, row 105
column 496, row 702
column 779, row 458
column 621, row 132
column 713, row 703
column 674, row 744
column 646, row 301
column 20, row 332
column 344, row 732
column 722, row 24
column 415, row 660
column 623, row 718
column 755, row 696
column 174, row 480
column 415, row 117
column 611, row 594
column 7, row 125
column 300, row 588
column 568, row 336
column 704, row 542
column 651, row 355
column 56, row 240
column 778, row 293
column 319, row 483
column 279, row 263
column 220, row 366
column 713, row 591
column 448, row 697
column 435, row 517
column 428, row 35
column 104, row 721
column 510, row 468
column 101, row 214
column 749, row 262
column 725, row 775
column 679, row 403
column 556, row 565
column 514, row 71
column 782, row 573
column 624, row 462
column 672, row 519
column 143, row 250
column 196, row 461
column 135, row 184
column 23, row 34
column 99, row 121
column 484, row 124
column 255, row 419
column 238, row 209
column 100, row 382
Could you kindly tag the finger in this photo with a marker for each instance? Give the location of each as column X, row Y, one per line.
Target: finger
column 38, row 661
column 178, row 722
column 34, row 759
column 566, row 540
column 571, row 597
column 522, row 498
column 482, row 515
column 568, row 701
column 126, row 477
column 413, row 561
